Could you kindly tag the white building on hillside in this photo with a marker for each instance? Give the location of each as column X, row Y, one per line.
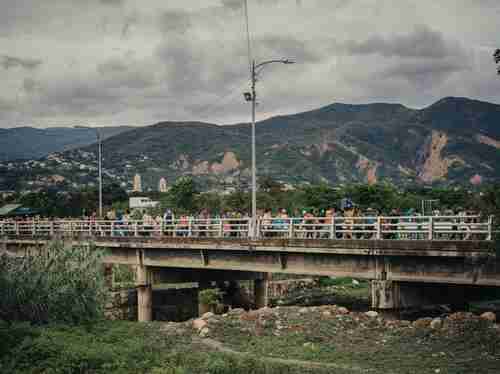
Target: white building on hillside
column 142, row 203
column 162, row 186
column 137, row 183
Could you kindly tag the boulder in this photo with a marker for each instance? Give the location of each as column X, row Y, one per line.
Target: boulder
column 207, row 315
column 489, row 316
column 371, row 314
column 436, row 324
column 236, row 311
column 422, row 323
column 342, row 310
column 265, row 311
column 204, row 332
column 199, row 324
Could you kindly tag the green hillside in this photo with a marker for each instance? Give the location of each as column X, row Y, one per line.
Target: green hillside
column 454, row 141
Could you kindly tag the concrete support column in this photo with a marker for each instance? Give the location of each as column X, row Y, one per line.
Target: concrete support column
column 108, row 275
column 395, row 295
column 385, row 294
column 261, row 294
column 144, row 294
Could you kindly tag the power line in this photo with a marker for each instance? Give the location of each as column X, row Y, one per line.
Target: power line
column 224, row 99
column 249, row 46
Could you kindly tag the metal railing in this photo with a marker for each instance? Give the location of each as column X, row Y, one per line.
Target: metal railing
column 341, row 228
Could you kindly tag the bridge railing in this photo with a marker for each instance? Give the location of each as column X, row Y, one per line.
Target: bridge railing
column 342, row 228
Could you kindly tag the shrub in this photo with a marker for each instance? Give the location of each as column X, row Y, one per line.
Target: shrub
column 210, row 296
column 53, row 284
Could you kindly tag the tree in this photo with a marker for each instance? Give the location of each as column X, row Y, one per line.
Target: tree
column 238, row 201
column 210, row 201
column 181, row 196
column 496, row 56
column 320, row 196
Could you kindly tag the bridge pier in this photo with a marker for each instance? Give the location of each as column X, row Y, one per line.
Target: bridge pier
column 261, row 294
column 395, row 295
column 144, row 294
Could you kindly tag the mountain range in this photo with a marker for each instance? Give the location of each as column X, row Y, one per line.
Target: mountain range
column 24, row 143
column 453, row 141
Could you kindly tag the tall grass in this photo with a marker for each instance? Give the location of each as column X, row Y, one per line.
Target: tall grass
column 53, row 284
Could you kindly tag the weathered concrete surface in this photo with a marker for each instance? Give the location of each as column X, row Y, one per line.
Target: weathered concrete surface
column 451, row 262
column 402, row 295
column 144, row 294
column 261, row 290
column 407, row 273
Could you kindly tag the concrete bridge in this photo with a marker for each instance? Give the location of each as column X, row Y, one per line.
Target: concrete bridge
column 408, row 270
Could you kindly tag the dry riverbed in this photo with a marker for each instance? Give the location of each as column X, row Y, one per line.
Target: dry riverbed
column 334, row 338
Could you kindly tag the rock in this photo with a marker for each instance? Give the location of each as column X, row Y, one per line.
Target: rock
column 204, row 332
column 265, row 311
column 436, row 324
column 371, row 314
column 303, row 310
column 489, row 316
column 422, row 323
column 355, row 283
column 327, row 313
column 460, row 316
column 236, row 311
column 199, row 324
column 342, row 310
column 207, row 315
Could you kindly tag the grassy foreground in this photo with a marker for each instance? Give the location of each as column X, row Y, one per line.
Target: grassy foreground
column 320, row 339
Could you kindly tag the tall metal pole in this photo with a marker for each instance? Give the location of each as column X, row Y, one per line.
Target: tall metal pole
column 100, row 173
column 252, row 96
column 254, row 161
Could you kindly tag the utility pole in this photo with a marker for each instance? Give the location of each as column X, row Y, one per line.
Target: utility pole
column 252, row 96
column 254, row 157
column 99, row 142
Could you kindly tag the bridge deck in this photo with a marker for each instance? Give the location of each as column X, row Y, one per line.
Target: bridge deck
column 452, row 262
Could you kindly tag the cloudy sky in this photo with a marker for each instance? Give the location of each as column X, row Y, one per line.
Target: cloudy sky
column 136, row 62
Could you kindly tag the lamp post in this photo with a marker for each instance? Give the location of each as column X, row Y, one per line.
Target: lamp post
column 99, row 142
column 252, row 96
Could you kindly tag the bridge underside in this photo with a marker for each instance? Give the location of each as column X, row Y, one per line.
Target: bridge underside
column 399, row 270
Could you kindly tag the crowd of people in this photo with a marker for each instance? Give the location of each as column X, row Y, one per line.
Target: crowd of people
column 348, row 223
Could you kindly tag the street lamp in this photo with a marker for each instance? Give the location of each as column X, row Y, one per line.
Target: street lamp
column 252, row 96
column 99, row 142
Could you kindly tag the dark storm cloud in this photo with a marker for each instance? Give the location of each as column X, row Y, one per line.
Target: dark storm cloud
column 112, row 66
column 232, row 4
column 289, row 47
column 122, row 73
column 128, row 23
column 422, row 42
column 112, row 2
column 8, row 62
column 426, row 72
column 29, row 85
column 175, row 22
column 173, row 59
